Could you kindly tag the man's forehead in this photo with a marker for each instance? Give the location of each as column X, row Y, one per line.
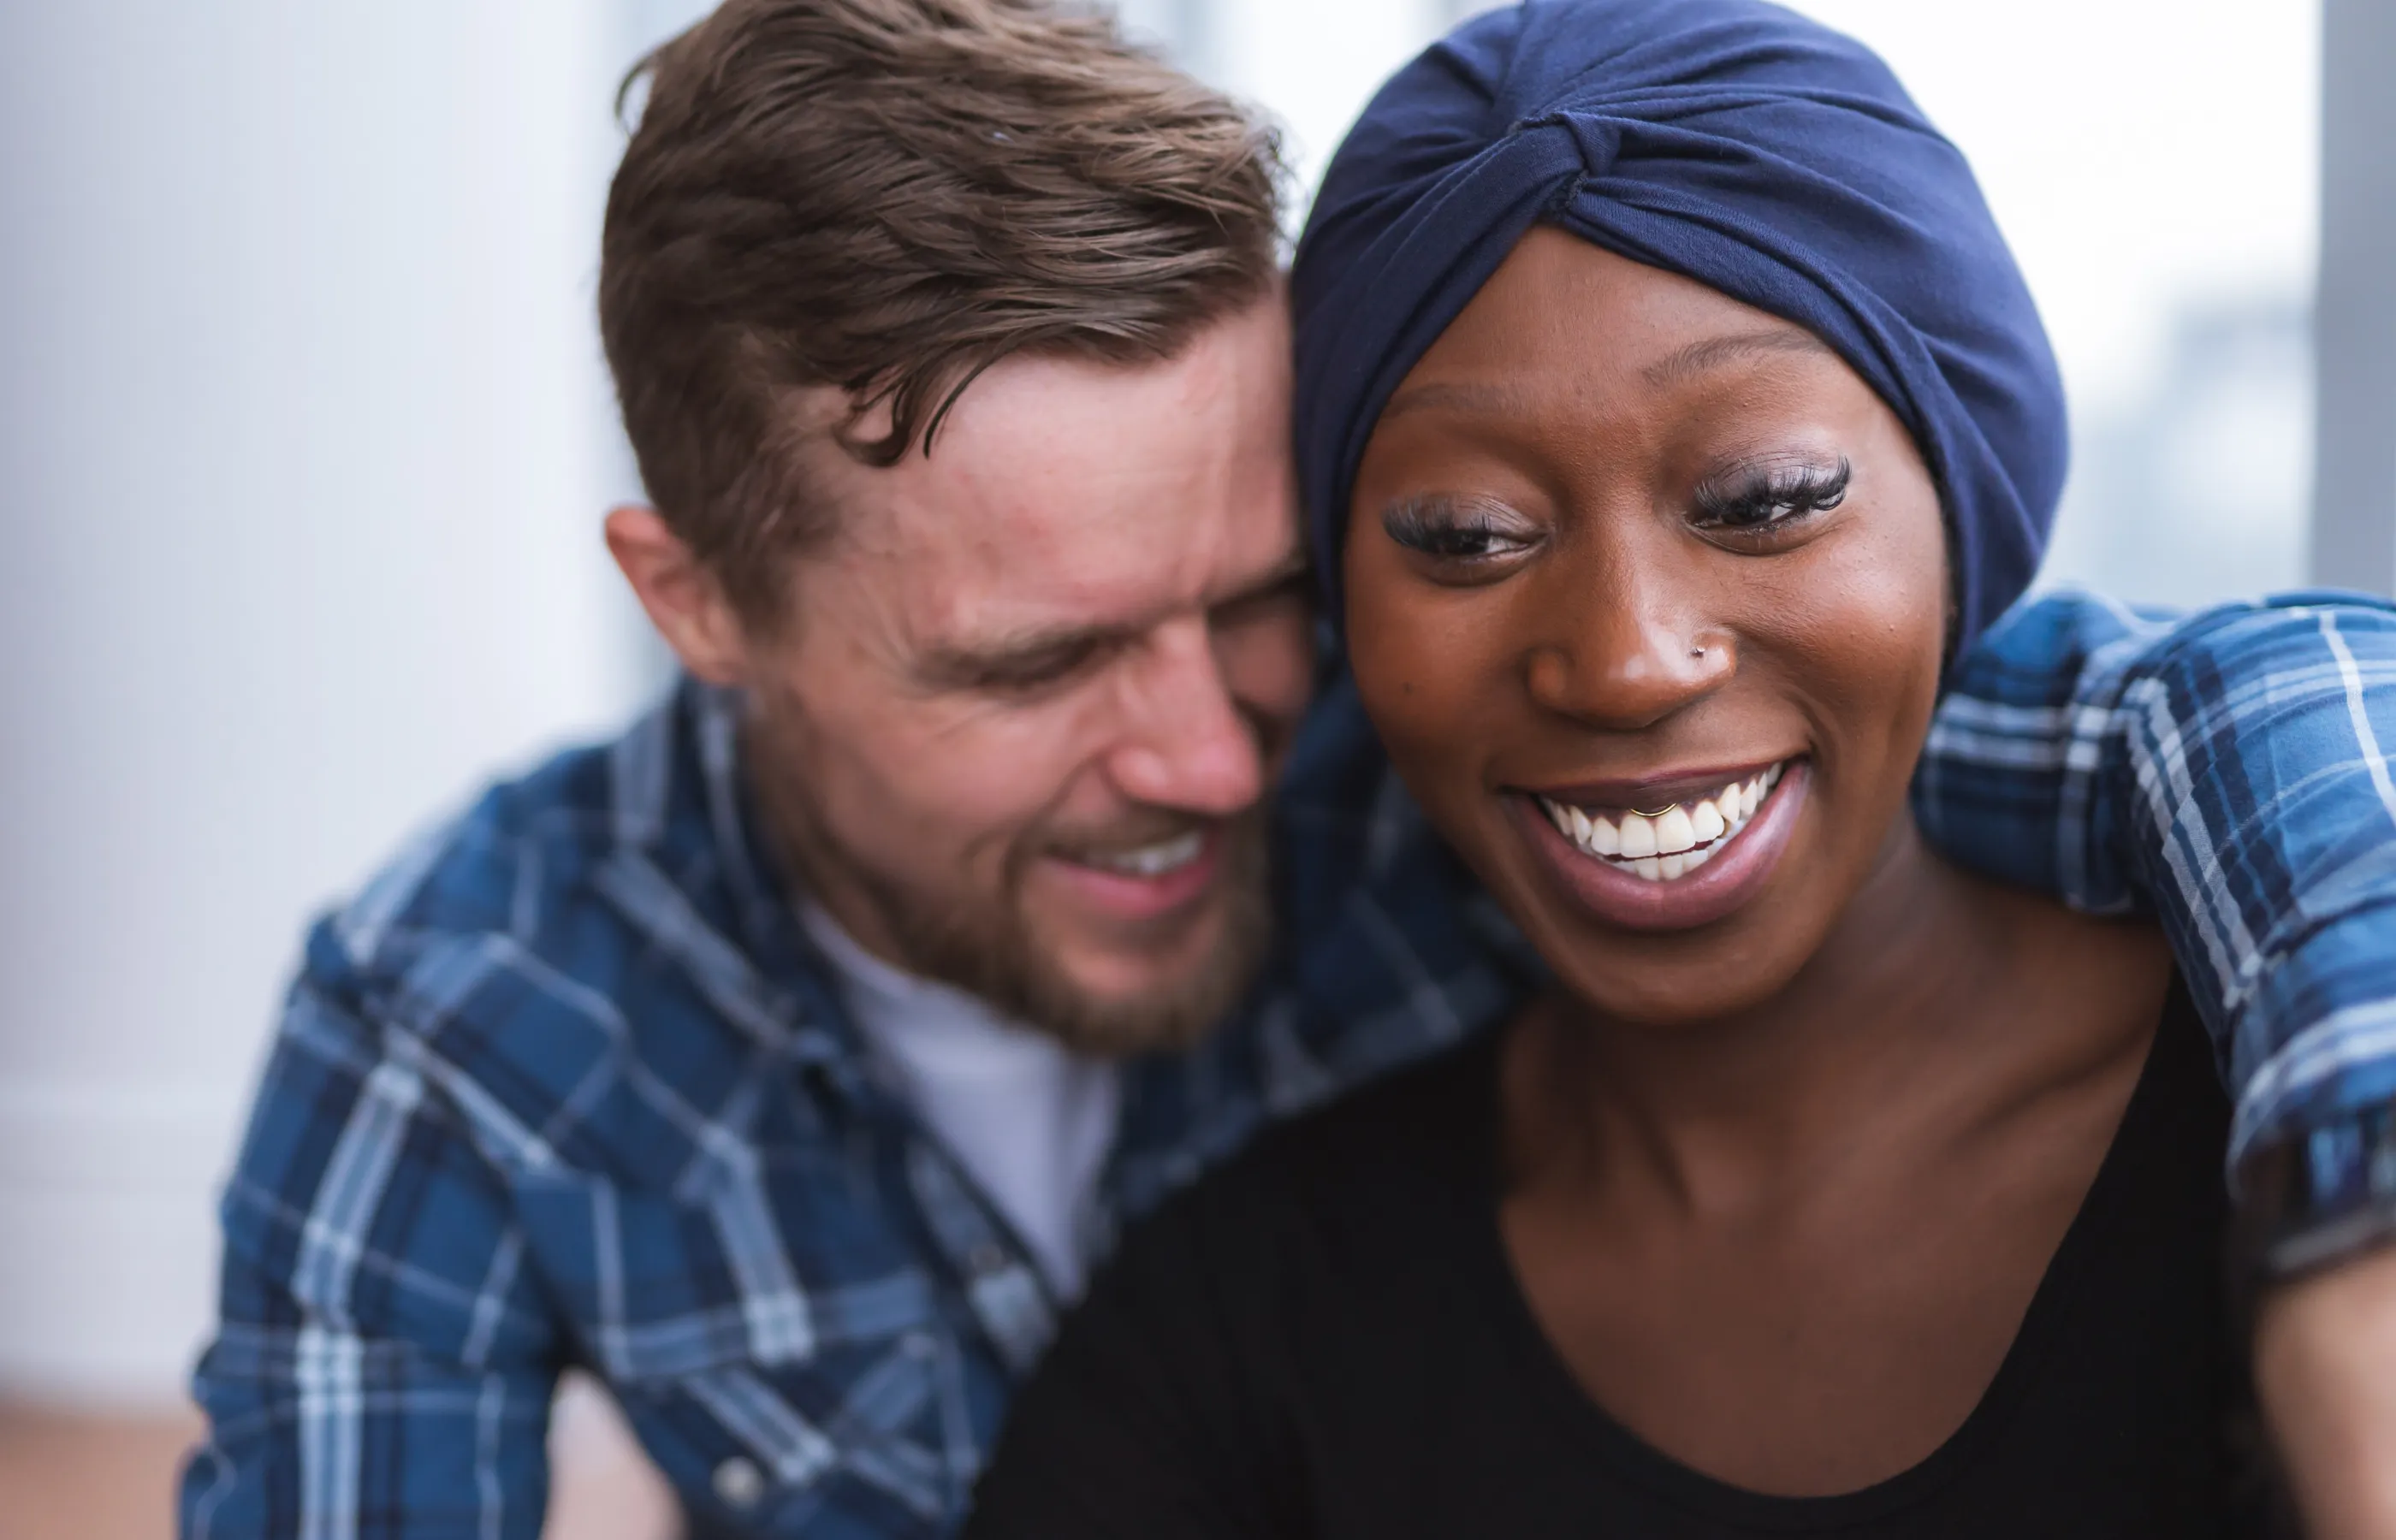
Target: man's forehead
column 1084, row 562
column 1062, row 487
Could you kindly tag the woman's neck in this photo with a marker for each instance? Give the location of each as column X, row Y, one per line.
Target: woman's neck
column 1760, row 1097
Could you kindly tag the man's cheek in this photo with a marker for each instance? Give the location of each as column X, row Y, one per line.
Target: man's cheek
column 1268, row 663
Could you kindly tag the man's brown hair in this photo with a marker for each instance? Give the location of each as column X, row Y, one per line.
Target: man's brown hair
column 888, row 196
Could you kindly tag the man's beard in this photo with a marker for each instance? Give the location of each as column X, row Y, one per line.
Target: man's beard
column 985, row 946
column 988, row 951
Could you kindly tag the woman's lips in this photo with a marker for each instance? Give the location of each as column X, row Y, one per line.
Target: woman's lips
column 1664, row 845
column 1719, row 863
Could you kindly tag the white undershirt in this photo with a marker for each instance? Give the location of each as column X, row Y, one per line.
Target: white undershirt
column 1031, row 1120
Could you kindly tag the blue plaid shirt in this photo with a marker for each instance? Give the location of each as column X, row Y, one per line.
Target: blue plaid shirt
column 566, row 1085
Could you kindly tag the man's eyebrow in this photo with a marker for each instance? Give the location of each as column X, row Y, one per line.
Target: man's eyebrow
column 1715, row 351
column 995, row 659
column 1292, row 568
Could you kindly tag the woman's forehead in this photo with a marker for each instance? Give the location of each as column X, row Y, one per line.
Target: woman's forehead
column 1561, row 310
column 1555, row 287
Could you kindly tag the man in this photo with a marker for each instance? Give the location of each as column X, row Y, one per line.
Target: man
column 786, row 1061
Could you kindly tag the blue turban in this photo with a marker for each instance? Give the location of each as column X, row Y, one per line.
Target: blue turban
column 1732, row 141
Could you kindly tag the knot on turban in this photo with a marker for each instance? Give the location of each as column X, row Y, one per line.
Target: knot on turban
column 1733, row 142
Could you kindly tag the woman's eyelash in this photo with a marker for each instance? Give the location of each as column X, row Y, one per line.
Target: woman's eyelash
column 1454, row 534
column 1773, row 496
column 1754, row 499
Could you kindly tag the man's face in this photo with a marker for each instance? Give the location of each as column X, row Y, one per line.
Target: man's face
column 1019, row 726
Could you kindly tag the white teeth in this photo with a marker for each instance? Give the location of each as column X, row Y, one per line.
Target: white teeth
column 1673, row 843
column 1155, row 860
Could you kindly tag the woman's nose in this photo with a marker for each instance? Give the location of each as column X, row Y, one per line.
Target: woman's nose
column 1631, row 660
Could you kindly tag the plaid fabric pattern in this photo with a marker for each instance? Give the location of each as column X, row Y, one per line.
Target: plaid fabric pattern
column 566, row 1085
column 2227, row 773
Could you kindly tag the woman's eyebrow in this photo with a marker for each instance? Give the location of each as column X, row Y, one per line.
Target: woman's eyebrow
column 1715, row 351
column 1486, row 399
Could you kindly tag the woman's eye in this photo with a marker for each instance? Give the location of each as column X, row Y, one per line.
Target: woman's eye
column 1769, row 496
column 1453, row 534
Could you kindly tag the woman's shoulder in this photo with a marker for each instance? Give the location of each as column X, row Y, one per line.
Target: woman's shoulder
column 2068, row 990
column 2104, row 969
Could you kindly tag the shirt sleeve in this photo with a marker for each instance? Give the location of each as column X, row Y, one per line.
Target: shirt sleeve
column 1154, row 1416
column 382, row 1368
column 2226, row 773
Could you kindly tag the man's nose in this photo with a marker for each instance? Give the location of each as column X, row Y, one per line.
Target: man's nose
column 1631, row 656
column 1186, row 743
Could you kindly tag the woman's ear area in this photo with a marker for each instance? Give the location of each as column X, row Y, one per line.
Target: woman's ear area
column 683, row 598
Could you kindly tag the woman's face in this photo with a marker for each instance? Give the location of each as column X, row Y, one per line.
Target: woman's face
column 1646, row 593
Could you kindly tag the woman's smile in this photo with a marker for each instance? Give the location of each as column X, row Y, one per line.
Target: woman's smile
column 1662, row 844
column 1688, row 863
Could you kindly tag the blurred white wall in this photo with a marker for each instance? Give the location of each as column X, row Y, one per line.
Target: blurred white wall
column 305, row 438
column 2354, row 490
column 2155, row 165
column 1313, row 64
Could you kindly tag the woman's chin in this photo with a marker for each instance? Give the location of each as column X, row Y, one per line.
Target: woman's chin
column 1672, row 997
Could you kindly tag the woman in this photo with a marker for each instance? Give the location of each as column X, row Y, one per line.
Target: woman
column 1673, row 410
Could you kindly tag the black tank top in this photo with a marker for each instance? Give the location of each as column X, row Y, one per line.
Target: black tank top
column 1327, row 1340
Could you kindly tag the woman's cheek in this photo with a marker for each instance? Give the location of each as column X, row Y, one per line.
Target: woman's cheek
column 1865, row 628
column 1401, row 674
column 1422, row 674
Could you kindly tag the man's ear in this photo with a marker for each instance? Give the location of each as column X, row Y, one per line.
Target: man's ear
column 683, row 598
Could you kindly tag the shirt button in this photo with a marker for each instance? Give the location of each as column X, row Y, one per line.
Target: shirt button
column 739, row 1483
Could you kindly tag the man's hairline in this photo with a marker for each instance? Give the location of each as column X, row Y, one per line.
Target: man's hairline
column 829, row 409
column 1069, row 347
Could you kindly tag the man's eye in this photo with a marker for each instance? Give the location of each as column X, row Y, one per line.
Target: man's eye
column 1457, row 534
column 1040, row 670
column 1282, row 599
